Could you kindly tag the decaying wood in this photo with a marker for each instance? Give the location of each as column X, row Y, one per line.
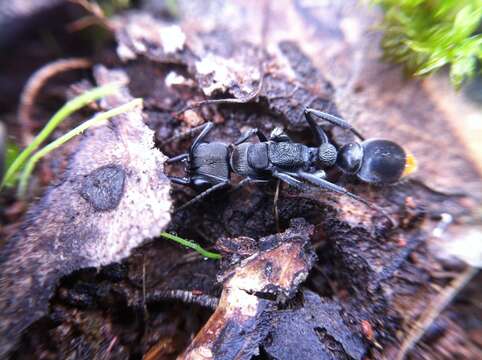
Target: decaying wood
column 313, row 329
column 251, row 292
column 370, row 286
column 113, row 196
column 341, row 72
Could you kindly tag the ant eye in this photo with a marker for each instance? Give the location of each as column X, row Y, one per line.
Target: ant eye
column 350, row 158
column 383, row 162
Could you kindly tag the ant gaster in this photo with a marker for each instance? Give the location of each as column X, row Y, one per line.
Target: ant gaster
column 374, row 161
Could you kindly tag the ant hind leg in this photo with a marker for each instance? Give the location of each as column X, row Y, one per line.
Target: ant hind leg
column 202, row 195
column 327, row 185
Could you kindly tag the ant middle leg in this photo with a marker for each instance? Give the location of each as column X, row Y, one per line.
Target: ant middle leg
column 279, row 135
column 316, row 129
column 246, row 181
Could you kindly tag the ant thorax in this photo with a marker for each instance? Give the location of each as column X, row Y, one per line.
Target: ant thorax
column 288, row 155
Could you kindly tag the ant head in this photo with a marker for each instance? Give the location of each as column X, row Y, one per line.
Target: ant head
column 376, row 161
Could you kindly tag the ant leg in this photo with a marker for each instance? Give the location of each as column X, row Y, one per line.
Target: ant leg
column 203, row 195
column 319, row 133
column 206, row 128
column 180, row 180
column 290, row 180
column 245, row 182
column 335, row 120
column 182, row 135
column 177, row 158
column 246, row 135
column 326, row 185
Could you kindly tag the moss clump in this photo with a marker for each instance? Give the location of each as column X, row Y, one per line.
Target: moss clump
column 425, row 35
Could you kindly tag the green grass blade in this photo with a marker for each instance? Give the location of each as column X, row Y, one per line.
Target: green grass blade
column 96, row 120
column 192, row 245
column 66, row 110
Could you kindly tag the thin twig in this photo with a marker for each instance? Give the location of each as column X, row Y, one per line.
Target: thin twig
column 242, row 100
column 3, row 147
column 275, row 205
column 110, row 347
column 144, row 306
column 186, row 296
column 34, row 84
column 96, row 120
column 98, row 17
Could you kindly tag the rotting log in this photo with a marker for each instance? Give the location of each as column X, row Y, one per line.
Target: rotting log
column 383, row 283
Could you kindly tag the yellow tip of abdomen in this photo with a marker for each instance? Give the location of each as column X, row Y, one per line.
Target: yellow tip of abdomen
column 410, row 165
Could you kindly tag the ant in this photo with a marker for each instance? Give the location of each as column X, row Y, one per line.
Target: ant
column 374, row 161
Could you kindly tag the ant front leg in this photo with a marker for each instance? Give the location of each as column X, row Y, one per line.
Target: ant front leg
column 332, row 119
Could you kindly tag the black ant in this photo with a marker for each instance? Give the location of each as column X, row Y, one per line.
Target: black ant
column 374, row 161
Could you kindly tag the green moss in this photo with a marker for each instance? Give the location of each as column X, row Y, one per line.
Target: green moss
column 425, row 35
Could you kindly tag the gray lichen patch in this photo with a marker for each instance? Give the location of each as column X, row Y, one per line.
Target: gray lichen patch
column 103, row 187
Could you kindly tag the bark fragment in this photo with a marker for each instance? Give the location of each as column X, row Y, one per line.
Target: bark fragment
column 115, row 170
column 252, row 290
column 314, row 329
